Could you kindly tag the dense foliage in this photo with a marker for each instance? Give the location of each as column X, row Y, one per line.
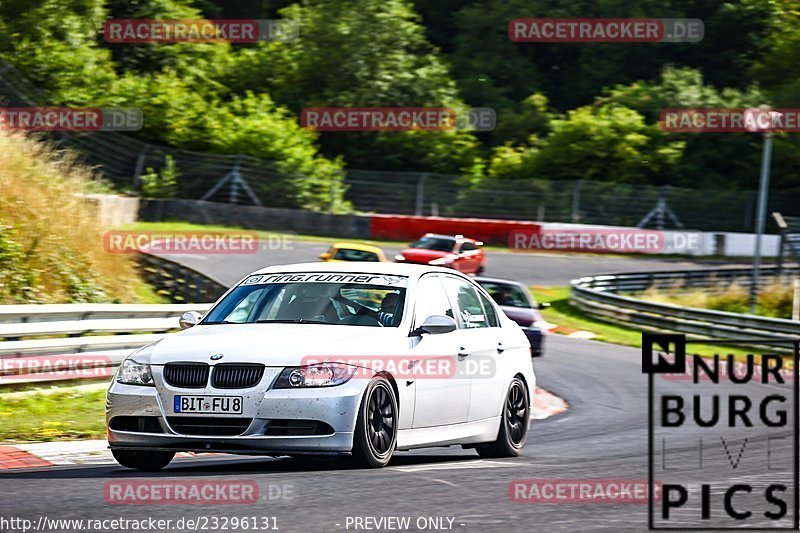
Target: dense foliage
column 565, row 111
column 51, row 233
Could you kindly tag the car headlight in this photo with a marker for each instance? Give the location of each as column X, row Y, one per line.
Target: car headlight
column 319, row 375
column 133, row 373
column 399, row 257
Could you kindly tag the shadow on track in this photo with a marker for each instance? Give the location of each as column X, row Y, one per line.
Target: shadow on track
column 225, row 466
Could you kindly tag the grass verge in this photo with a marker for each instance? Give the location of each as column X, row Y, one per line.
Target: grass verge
column 66, row 413
column 569, row 318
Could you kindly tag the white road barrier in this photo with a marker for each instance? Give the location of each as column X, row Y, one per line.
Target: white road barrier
column 69, row 341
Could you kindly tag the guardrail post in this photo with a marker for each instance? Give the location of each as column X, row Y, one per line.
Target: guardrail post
column 576, row 202
column 137, row 171
column 421, row 194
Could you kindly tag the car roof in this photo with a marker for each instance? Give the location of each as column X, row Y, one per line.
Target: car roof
column 457, row 238
column 440, row 236
column 357, row 246
column 396, row 269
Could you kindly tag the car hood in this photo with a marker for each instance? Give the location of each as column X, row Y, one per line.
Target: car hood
column 271, row 344
column 521, row 315
column 420, row 254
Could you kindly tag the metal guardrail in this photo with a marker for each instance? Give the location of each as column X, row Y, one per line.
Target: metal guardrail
column 76, row 344
column 63, row 339
column 178, row 282
column 604, row 298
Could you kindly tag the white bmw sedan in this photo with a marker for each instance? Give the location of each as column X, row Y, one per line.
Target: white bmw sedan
column 356, row 359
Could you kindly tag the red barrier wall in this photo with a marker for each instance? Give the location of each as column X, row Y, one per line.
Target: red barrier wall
column 410, row 228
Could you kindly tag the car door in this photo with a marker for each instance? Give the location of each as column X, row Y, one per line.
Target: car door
column 481, row 344
column 469, row 255
column 441, row 399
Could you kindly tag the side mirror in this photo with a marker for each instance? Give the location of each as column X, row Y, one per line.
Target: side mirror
column 189, row 319
column 325, row 256
column 543, row 305
column 436, row 325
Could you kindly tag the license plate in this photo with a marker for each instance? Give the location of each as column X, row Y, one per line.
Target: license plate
column 225, row 405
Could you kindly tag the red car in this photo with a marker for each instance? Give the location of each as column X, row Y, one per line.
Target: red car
column 460, row 253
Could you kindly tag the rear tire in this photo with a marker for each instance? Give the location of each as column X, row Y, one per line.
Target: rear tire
column 143, row 460
column 375, row 438
column 514, row 424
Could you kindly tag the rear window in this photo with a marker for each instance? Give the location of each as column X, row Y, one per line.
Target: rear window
column 347, row 254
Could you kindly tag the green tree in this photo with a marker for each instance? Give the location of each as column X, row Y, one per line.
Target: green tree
column 605, row 143
column 160, row 184
column 363, row 53
column 54, row 43
column 711, row 160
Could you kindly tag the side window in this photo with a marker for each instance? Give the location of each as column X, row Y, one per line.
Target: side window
column 468, row 247
column 431, row 300
column 468, row 303
column 491, row 314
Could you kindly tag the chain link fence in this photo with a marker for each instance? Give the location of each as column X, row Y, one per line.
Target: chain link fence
column 239, row 179
column 585, row 202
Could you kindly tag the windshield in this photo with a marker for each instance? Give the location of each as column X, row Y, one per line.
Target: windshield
column 506, row 295
column 356, row 300
column 439, row 244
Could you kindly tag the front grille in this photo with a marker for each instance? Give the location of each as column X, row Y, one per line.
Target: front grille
column 236, row 376
column 296, row 428
column 136, row 424
column 186, row 376
column 209, row 426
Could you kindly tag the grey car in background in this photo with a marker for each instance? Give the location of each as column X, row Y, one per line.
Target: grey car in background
column 518, row 304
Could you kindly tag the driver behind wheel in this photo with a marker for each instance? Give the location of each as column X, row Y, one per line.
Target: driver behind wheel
column 388, row 308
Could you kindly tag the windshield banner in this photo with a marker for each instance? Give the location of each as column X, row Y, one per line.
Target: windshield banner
column 328, row 277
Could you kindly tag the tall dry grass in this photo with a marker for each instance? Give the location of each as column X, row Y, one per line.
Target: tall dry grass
column 774, row 299
column 51, row 240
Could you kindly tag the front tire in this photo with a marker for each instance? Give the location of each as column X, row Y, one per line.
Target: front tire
column 514, row 424
column 143, row 460
column 375, row 438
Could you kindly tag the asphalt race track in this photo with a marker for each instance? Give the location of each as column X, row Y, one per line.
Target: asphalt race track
column 602, row 436
column 529, row 268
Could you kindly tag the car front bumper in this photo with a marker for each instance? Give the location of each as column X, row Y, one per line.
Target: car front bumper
column 536, row 338
column 275, row 421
